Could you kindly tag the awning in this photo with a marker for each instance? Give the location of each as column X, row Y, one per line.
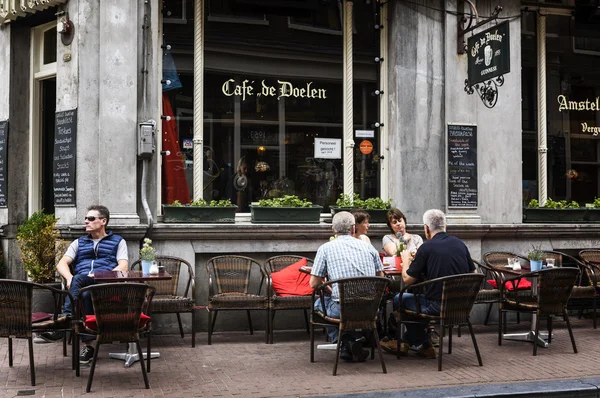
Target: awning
column 13, row 9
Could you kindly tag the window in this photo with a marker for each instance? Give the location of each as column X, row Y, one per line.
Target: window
column 271, row 94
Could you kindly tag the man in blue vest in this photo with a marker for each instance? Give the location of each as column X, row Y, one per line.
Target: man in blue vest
column 98, row 250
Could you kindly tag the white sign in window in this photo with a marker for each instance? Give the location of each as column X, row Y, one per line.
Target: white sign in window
column 364, row 133
column 328, row 148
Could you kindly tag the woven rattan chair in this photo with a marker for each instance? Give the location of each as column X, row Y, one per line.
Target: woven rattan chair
column 228, row 289
column 118, row 309
column 458, row 297
column 554, row 286
column 15, row 316
column 166, row 300
column 583, row 295
column 359, row 303
column 276, row 302
column 487, row 293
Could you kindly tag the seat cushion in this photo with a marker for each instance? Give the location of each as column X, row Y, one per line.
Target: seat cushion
column 583, row 292
column 90, row 321
column 169, row 303
column 290, row 281
column 523, row 284
column 237, row 301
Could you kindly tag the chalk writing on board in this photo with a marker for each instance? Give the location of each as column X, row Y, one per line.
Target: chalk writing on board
column 462, row 165
column 65, row 150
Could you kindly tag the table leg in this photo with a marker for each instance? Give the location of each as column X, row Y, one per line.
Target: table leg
column 131, row 356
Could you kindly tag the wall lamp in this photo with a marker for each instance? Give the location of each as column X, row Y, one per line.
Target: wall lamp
column 377, row 92
column 167, row 118
column 378, row 27
column 65, row 28
column 166, row 46
column 377, row 125
column 378, row 59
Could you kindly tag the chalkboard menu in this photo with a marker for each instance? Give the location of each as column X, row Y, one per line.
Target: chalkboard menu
column 65, row 147
column 462, row 165
column 3, row 152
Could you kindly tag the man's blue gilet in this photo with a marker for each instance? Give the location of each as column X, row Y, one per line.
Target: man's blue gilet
column 103, row 258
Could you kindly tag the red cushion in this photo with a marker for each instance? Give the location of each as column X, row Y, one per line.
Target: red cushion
column 291, row 282
column 90, row 321
column 523, row 284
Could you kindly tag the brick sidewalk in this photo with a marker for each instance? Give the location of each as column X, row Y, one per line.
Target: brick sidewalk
column 240, row 365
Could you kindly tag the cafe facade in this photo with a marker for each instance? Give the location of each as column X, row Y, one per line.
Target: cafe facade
column 432, row 104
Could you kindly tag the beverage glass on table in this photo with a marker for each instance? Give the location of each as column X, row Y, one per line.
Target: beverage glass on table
column 550, row 263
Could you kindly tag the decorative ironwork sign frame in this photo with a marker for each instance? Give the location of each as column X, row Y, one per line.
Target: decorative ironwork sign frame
column 488, row 53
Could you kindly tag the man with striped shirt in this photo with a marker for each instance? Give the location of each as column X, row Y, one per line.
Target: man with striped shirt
column 343, row 257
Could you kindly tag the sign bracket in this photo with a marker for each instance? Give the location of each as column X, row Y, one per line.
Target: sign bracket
column 461, row 47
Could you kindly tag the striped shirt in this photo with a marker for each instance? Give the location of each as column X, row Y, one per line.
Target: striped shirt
column 345, row 257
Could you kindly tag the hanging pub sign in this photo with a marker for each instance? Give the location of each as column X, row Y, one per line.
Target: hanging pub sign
column 488, row 54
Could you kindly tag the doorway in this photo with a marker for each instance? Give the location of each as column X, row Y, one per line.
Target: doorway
column 47, row 127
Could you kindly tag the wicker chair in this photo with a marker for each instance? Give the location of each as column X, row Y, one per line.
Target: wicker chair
column 166, row 300
column 554, row 286
column 583, row 295
column 118, row 309
column 228, row 289
column 15, row 316
column 458, row 297
column 359, row 304
column 499, row 260
column 487, row 293
column 304, row 303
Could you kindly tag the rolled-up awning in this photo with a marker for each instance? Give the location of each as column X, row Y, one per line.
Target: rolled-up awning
column 13, row 9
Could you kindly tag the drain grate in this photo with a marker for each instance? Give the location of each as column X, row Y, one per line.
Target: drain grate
column 22, row 393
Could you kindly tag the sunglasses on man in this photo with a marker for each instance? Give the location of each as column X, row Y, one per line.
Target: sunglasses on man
column 92, row 218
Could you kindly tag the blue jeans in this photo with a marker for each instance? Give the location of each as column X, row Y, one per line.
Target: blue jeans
column 416, row 333
column 78, row 282
column 333, row 310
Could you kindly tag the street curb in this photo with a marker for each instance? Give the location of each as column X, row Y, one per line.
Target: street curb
column 589, row 387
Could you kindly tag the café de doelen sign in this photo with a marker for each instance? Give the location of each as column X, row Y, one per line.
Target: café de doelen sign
column 489, row 54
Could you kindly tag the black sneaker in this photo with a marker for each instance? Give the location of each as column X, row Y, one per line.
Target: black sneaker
column 345, row 353
column 86, row 354
column 357, row 350
column 49, row 337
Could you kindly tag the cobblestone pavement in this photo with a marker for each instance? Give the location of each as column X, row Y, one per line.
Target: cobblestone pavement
column 241, row 365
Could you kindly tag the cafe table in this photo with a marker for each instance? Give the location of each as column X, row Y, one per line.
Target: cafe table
column 541, row 339
column 131, row 356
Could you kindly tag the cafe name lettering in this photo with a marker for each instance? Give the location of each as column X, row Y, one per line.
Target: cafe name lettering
column 587, row 105
column 484, row 42
column 284, row 89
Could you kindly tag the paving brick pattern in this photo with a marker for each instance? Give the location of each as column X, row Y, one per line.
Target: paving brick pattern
column 241, row 365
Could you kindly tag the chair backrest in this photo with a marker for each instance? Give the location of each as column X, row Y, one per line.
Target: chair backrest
column 590, row 255
column 487, row 272
column 500, row 259
column 554, row 288
column 359, row 300
column 565, row 260
column 118, row 308
column 232, row 273
column 458, row 296
column 277, row 263
column 15, row 308
column 175, row 266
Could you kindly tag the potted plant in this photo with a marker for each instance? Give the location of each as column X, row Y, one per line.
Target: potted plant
column 147, row 255
column 535, row 256
column 561, row 212
column 41, row 249
column 199, row 211
column 376, row 207
column 288, row 209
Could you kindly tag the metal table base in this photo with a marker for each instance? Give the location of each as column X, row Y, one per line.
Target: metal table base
column 131, row 356
column 529, row 336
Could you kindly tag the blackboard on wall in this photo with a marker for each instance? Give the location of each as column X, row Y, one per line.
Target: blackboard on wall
column 3, row 164
column 462, row 165
column 65, row 150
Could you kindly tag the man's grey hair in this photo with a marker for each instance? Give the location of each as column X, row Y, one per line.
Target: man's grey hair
column 342, row 222
column 435, row 219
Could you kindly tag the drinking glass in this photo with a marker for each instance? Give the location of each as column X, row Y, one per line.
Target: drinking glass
column 516, row 263
column 550, row 262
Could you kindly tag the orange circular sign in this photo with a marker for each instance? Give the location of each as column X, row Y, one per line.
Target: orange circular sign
column 366, row 147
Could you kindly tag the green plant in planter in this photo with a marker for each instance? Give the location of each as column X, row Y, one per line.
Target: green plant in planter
column 285, row 201
column 358, row 203
column 536, row 253
column 534, row 204
column 596, row 203
column 176, row 203
column 40, row 246
column 573, row 205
